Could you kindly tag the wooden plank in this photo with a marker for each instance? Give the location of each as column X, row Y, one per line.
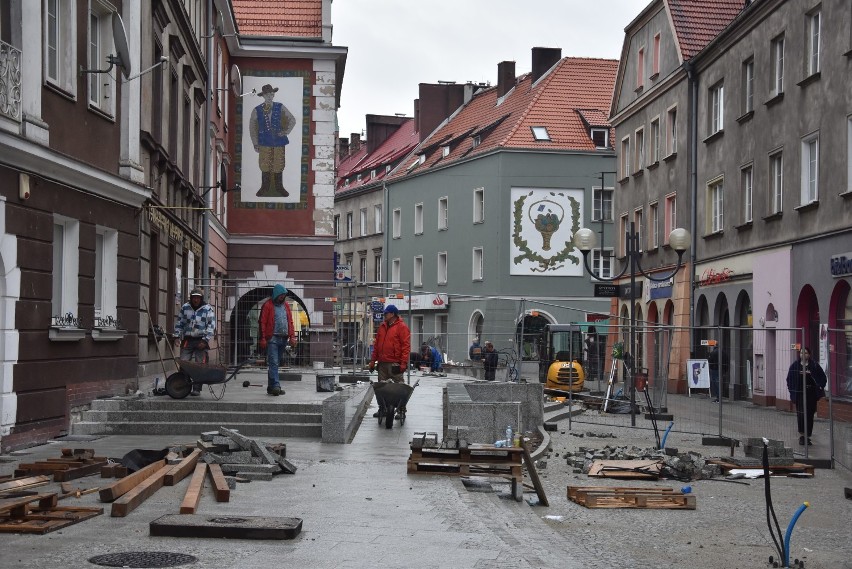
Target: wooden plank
column 79, row 472
column 25, row 482
column 539, row 489
column 220, row 485
column 182, row 469
column 42, row 522
column 121, row 487
column 19, row 507
column 44, row 466
column 131, row 500
column 777, row 469
column 193, row 493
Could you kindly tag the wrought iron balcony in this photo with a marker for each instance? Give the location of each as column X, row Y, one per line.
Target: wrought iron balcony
column 10, row 81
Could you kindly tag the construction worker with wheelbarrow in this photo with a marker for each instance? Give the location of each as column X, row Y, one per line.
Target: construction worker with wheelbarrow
column 391, row 351
column 194, row 329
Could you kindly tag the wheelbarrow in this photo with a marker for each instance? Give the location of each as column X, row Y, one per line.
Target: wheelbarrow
column 179, row 384
column 392, row 397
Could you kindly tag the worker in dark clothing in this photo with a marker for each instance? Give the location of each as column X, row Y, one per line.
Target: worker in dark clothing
column 489, row 361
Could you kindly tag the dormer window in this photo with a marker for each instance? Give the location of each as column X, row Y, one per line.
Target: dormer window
column 387, row 169
column 540, row 133
column 421, row 159
column 358, row 178
column 600, row 136
column 372, row 174
column 445, row 150
column 346, row 182
column 476, row 140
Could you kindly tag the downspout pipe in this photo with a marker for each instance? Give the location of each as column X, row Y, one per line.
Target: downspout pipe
column 692, row 158
column 208, row 149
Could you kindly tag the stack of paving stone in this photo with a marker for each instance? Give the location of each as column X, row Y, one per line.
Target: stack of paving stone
column 242, row 457
column 683, row 466
column 778, row 454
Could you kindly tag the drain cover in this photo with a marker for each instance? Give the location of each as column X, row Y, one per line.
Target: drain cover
column 142, row 559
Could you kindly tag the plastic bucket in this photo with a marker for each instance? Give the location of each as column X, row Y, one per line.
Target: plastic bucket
column 325, row 383
column 641, row 379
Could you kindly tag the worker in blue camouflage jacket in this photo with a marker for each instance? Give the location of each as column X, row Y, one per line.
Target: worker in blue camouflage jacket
column 194, row 329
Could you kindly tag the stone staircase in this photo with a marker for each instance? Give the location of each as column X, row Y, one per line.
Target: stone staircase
column 165, row 416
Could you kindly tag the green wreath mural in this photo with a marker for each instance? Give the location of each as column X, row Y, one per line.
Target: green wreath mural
column 546, row 223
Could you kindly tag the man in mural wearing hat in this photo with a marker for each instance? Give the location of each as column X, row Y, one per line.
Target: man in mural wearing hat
column 391, row 349
column 276, row 334
column 269, row 125
column 194, row 328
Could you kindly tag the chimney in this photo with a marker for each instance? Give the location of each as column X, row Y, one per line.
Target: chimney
column 380, row 128
column 505, row 77
column 343, row 148
column 417, row 115
column 354, row 143
column 543, row 58
column 436, row 104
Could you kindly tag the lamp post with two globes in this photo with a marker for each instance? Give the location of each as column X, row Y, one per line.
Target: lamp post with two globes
column 585, row 241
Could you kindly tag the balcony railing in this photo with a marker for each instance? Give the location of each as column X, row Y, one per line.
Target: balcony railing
column 10, row 81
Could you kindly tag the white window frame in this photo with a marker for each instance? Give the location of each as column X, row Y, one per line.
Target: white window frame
column 477, row 264
column 776, row 181
column 349, row 228
column 62, row 70
column 395, row 271
column 443, row 213
column 653, row 225
column 671, row 130
column 418, row 271
column 221, row 91
column 540, row 133
column 378, row 218
column 479, row 205
column 445, row 150
column 362, row 268
column 604, row 132
column 638, row 224
column 813, row 41
column 748, row 85
column 640, row 68
column 747, row 191
column 377, row 267
column 418, row 219
column 337, row 227
column 106, row 272
column 602, row 267
column 621, row 239
column 810, row 169
column 716, row 205
column 670, row 219
column 639, row 148
column 362, row 218
column 777, row 65
column 655, row 140
column 625, row 157
column 442, row 268
column 66, row 266
column 600, row 197
column 655, row 62
column 397, row 224
column 716, row 110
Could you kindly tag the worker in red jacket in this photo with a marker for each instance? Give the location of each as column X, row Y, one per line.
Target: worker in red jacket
column 392, row 348
column 276, row 334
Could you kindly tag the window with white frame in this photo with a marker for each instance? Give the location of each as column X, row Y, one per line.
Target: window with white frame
column 221, row 92
column 477, row 263
column 395, row 275
column 777, row 65
column 748, row 85
column 106, row 273
column 813, row 41
column 602, row 204
column 670, row 221
column 362, row 272
column 625, row 157
column 418, row 271
column 600, row 136
column 349, row 225
column 60, row 35
column 377, row 218
column 443, row 213
column 655, row 64
column 337, row 226
column 479, row 205
column 776, row 180
column 418, row 219
column 640, row 68
column 363, row 221
column 655, row 140
column 622, row 235
column 442, row 268
column 639, row 159
column 397, row 224
column 445, row 150
column 602, row 265
column 716, row 112
column 671, row 130
column 540, row 133
column 66, row 267
column 373, row 174
column 377, row 267
column 810, row 169
column 653, row 226
column 747, row 192
column 716, row 201
column 638, row 218
column 101, row 86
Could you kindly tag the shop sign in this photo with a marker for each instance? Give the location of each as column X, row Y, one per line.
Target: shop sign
column 605, row 290
column 841, row 265
column 422, row 302
column 624, row 290
column 173, row 230
column 343, row 273
column 714, row 276
column 661, row 289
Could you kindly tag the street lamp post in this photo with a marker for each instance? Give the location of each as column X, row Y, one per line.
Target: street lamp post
column 584, row 240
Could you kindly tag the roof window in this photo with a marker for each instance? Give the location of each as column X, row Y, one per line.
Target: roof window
column 600, row 136
column 540, row 133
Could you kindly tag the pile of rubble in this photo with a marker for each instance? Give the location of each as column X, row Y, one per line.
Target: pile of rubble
column 242, row 457
column 683, row 466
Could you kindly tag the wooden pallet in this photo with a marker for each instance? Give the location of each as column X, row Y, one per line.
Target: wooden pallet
column 795, row 468
column 627, row 497
column 72, row 464
column 474, row 460
column 19, row 516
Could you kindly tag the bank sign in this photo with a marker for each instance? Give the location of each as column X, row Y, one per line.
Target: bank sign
column 841, row 265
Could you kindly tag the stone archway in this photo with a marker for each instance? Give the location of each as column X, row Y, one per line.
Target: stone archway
column 807, row 318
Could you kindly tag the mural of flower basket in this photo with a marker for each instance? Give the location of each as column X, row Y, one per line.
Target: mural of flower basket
column 544, row 216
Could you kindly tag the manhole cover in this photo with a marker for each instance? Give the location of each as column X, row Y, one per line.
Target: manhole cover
column 143, row 559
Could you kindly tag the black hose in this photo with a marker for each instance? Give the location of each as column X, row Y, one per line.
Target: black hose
column 768, row 496
column 653, row 416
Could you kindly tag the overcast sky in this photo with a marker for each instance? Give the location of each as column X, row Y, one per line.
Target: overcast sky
column 396, row 44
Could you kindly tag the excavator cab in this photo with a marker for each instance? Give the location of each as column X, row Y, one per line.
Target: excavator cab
column 561, row 361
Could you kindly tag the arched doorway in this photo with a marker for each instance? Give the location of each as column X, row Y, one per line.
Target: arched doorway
column 668, row 313
column 529, row 333
column 243, row 324
column 742, row 354
column 840, row 336
column 702, row 324
column 474, row 332
column 807, row 318
column 722, row 334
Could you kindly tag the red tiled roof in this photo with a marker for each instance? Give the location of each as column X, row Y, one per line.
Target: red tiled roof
column 574, row 83
column 397, row 146
column 698, row 22
column 289, row 18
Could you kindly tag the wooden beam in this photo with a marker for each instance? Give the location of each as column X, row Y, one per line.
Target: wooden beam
column 139, row 494
column 539, row 489
column 182, row 469
column 24, row 483
column 220, row 485
column 121, row 487
column 193, row 493
column 79, row 472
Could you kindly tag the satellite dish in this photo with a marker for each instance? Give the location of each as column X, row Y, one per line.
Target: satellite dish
column 236, row 81
column 119, row 38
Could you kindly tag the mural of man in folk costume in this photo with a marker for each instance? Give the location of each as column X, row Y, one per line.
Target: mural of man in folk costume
column 269, row 125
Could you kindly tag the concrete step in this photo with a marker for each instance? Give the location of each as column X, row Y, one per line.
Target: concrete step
column 200, row 404
column 306, row 430
column 201, row 416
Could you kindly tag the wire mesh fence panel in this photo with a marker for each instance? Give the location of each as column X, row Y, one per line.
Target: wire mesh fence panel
column 836, row 347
